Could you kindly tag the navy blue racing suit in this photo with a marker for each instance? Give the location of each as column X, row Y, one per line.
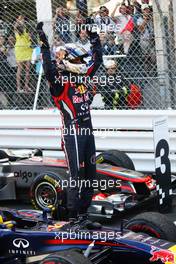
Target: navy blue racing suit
column 72, row 98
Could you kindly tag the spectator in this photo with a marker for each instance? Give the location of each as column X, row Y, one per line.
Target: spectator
column 130, row 10
column 103, row 38
column 138, row 8
column 11, row 52
column 109, row 47
column 20, row 20
column 115, row 91
column 83, row 40
column 23, row 53
column 94, row 14
column 104, row 21
column 11, row 59
column 62, row 24
column 80, row 19
column 145, row 2
column 4, row 74
column 114, row 11
column 2, row 48
column 3, row 64
column 137, row 12
column 146, row 30
column 37, row 59
column 125, row 28
column 135, row 50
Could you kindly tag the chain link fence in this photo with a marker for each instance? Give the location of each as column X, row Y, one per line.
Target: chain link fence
column 138, row 70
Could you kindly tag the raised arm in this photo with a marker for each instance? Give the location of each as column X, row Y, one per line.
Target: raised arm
column 142, row 25
column 49, row 67
column 115, row 9
column 45, row 50
column 97, row 55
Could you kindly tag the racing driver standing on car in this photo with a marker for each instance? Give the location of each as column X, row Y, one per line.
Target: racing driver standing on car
column 72, row 99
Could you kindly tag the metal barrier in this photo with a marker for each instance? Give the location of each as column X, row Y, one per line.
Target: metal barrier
column 130, row 131
column 139, row 52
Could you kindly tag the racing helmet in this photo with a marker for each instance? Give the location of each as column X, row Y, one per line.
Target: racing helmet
column 73, row 59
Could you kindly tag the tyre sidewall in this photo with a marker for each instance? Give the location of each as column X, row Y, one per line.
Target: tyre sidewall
column 153, row 224
column 53, row 180
column 116, row 158
column 146, row 227
column 71, row 256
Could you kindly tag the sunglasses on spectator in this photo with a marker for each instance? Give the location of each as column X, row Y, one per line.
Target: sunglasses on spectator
column 103, row 10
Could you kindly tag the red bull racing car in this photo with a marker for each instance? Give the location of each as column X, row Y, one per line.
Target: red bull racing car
column 118, row 187
column 29, row 236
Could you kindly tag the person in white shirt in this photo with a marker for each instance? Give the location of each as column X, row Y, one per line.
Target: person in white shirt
column 104, row 21
column 11, row 52
column 125, row 26
column 147, row 39
column 146, row 29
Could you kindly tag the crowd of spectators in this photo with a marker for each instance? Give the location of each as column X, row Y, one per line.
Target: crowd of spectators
column 130, row 33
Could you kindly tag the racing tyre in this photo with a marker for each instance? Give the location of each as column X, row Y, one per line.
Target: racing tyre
column 153, row 224
column 45, row 190
column 66, row 257
column 117, row 158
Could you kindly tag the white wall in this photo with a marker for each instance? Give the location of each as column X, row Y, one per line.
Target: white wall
column 130, row 131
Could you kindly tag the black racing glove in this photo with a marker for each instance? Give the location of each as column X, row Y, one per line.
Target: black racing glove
column 40, row 26
column 42, row 36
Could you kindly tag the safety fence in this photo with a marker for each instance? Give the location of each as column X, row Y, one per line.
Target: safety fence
column 129, row 131
column 138, row 46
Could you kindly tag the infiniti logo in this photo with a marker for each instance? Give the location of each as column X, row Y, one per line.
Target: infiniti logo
column 20, row 242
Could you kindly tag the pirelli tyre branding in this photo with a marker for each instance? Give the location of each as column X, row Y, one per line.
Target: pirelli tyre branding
column 53, row 181
column 45, row 190
column 100, row 160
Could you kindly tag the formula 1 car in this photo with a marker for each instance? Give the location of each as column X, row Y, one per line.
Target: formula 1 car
column 118, row 187
column 27, row 235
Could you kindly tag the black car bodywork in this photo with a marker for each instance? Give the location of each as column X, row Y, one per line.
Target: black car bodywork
column 40, row 179
column 30, row 234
